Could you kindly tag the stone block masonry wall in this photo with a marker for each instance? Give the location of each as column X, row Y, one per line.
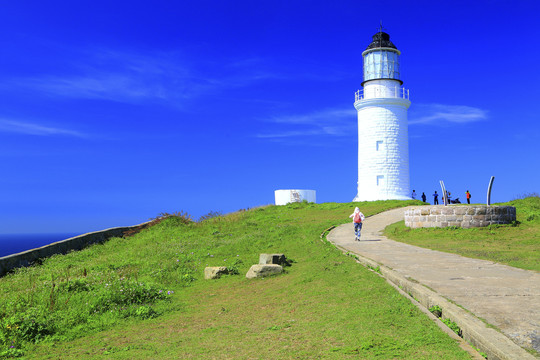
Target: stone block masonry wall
column 465, row 216
column 33, row 256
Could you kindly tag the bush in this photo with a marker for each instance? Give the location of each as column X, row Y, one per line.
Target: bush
column 76, row 285
column 32, row 325
column 233, row 268
column 453, row 326
column 145, row 312
column 121, row 293
column 436, row 310
column 210, row 215
column 11, row 352
column 178, row 218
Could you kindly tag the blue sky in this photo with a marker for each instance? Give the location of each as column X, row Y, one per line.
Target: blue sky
column 113, row 112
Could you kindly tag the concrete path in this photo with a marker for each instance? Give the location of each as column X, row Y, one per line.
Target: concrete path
column 506, row 297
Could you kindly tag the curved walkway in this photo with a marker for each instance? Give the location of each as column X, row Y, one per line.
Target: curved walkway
column 503, row 296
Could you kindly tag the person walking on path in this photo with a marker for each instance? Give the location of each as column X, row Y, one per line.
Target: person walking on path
column 435, row 198
column 358, row 217
column 468, row 196
column 413, row 195
column 423, row 197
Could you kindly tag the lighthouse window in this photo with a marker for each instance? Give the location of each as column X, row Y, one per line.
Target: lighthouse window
column 380, row 180
column 381, row 64
column 379, row 145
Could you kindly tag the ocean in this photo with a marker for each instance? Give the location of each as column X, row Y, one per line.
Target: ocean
column 16, row 243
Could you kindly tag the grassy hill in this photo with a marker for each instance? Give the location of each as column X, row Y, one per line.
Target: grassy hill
column 144, row 296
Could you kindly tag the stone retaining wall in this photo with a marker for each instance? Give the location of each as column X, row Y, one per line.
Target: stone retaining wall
column 465, row 216
column 33, row 256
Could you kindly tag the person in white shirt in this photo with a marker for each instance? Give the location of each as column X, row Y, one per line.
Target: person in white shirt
column 358, row 218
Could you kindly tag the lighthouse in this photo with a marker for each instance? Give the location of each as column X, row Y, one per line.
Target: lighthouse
column 383, row 139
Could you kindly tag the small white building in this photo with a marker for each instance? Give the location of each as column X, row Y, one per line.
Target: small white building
column 283, row 197
column 383, row 136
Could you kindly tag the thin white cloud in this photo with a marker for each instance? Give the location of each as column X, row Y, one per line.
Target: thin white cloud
column 329, row 122
column 327, row 116
column 288, row 134
column 436, row 114
column 35, row 129
column 170, row 78
column 289, row 69
column 134, row 77
column 99, row 86
column 115, row 76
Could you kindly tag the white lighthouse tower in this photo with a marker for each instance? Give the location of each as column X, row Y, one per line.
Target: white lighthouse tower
column 383, row 138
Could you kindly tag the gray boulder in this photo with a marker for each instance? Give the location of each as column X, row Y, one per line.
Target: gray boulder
column 278, row 259
column 262, row 270
column 214, row 272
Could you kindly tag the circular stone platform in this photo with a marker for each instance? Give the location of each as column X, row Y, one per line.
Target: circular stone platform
column 465, row 216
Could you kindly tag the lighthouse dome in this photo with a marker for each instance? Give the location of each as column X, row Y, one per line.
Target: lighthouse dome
column 381, row 40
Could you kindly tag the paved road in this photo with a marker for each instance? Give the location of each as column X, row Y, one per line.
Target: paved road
column 506, row 297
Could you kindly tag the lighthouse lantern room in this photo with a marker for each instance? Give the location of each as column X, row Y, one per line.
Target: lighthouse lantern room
column 383, row 144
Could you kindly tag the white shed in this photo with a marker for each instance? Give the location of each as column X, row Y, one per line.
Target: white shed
column 283, row 197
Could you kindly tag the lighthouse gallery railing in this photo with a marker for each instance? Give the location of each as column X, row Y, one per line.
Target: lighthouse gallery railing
column 382, row 93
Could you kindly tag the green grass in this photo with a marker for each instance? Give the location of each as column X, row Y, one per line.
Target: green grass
column 110, row 301
column 516, row 245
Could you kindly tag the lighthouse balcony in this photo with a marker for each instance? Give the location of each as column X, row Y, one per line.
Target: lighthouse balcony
column 381, row 92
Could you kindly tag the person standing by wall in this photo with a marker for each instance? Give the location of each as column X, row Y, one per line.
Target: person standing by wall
column 423, row 197
column 358, row 218
column 413, row 195
column 468, row 196
column 435, row 198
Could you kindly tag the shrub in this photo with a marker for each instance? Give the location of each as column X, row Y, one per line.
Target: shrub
column 188, row 278
column 179, row 217
column 32, row 325
column 436, row 310
column 11, row 352
column 121, row 293
column 145, row 312
column 233, row 268
column 453, row 326
column 76, row 285
column 210, row 215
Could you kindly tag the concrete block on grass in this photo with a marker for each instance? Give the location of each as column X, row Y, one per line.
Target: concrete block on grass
column 278, row 259
column 214, row 272
column 263, row 270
